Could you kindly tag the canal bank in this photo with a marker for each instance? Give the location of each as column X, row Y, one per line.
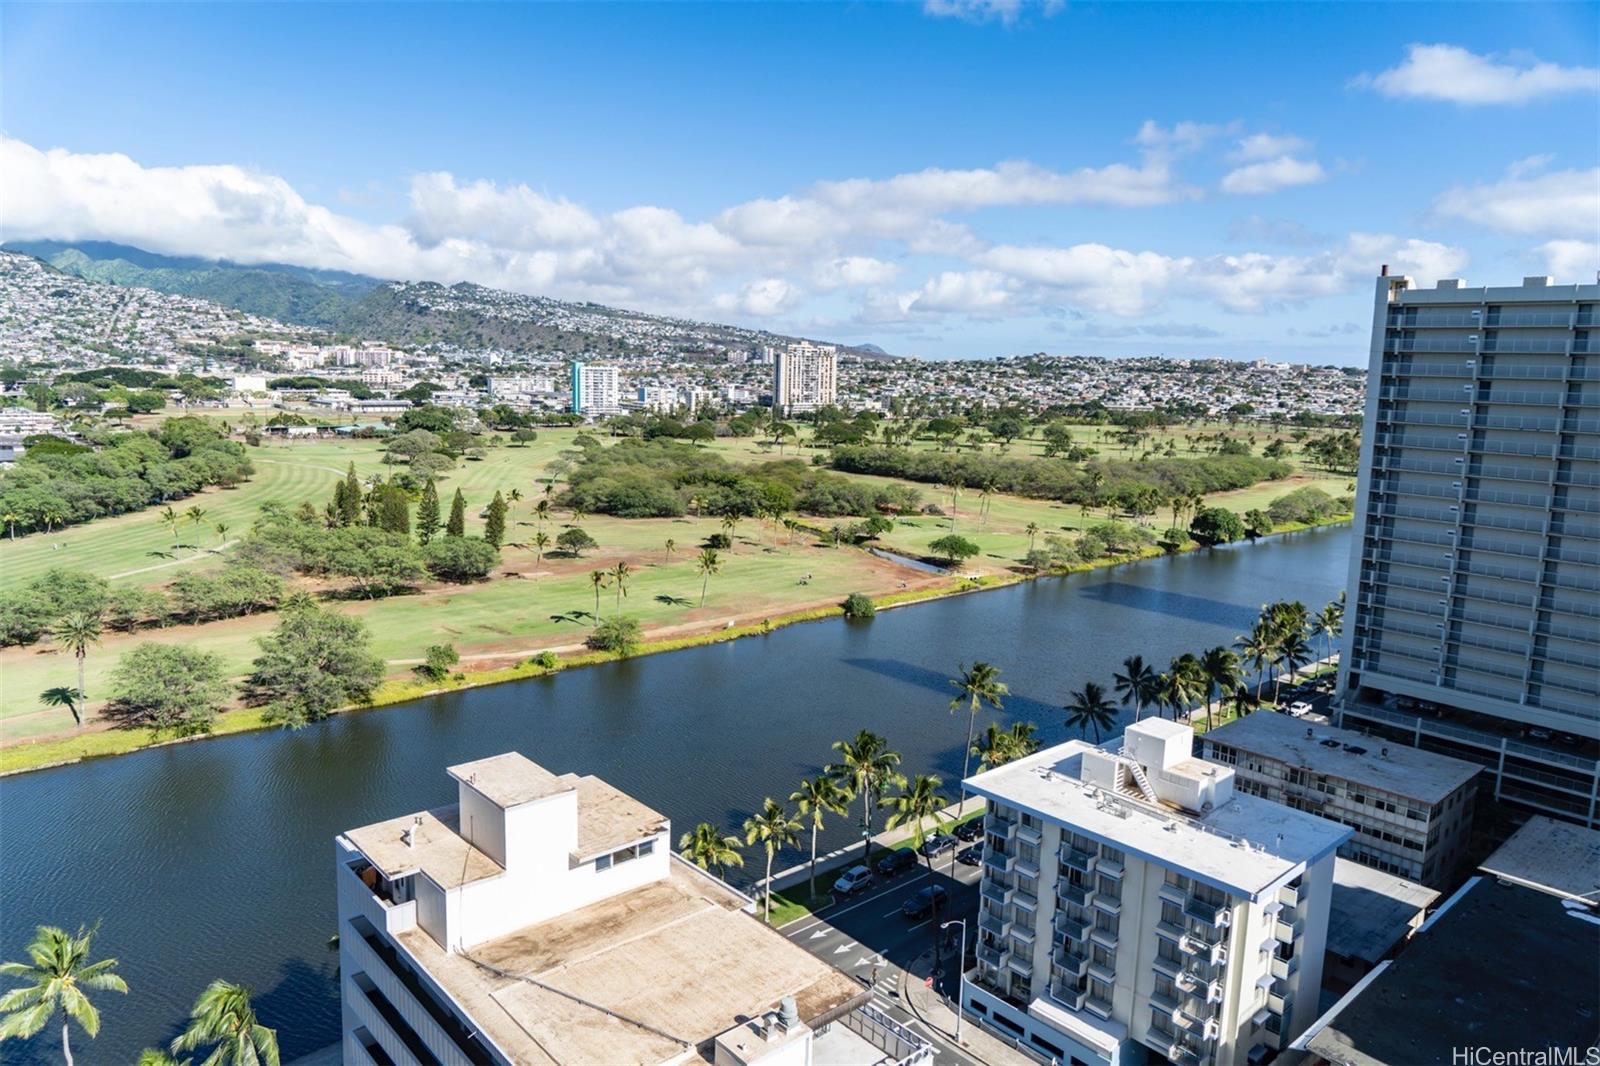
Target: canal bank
column 215, row 860
column 44, row 754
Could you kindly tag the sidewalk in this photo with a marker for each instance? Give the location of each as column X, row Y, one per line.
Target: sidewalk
column 847, row 856
column 930, row 1008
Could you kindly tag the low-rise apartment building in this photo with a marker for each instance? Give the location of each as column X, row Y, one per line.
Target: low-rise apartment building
column 1133, row 902
column 543, row 919
column 1411, row 809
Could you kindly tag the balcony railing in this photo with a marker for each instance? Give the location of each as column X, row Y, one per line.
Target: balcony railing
column 1081, row 861
column 1073, row 963
column 1030, row 834
column 996, row 892
column 1068, row 892
column 1070, row 927
column 1206, row 911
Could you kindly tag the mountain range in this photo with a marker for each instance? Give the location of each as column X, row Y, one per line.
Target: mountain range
column 463, row 315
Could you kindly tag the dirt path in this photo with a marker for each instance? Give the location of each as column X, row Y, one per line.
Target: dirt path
column 175, row 562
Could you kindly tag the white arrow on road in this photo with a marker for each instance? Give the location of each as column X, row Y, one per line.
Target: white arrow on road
column 842, row 948
column 818, row 933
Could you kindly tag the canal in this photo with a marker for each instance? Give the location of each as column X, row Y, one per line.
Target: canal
column 214, row 859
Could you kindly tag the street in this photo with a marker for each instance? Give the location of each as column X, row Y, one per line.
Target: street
column 867, row 936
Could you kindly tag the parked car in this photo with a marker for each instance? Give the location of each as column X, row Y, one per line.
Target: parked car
column 853, row 880
column 971, row 855
column 925, row 902
column 936, row 844
column 1299, row 709
column 897, row 861
column 970, row 830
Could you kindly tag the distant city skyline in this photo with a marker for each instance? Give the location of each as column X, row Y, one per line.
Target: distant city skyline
column 961, row 178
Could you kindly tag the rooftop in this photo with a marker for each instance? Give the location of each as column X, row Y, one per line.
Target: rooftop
column 510, row 779
column 1372, row 911
column 1555, row 857
column 1346, row 754
column 438, row 849
column 640, row 977
column 1244, row 846
column 609, row 819
column 1480, row 975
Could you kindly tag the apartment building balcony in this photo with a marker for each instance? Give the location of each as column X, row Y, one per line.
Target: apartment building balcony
column 1280, row 1002
column 1282, row 969
column 1109, row 904
column 1215, row 954
column 1182, row 1054
column 1163, row 1003
column 1071, row 963
column 1171, row 931
column 1101, row 972
column 1288, row 930
column 1167, row 967
column 1001, row 828
column 1289, row 895
column 1019, row 963
column 1172, row 893
column 1099, row 1007
column 1070, row 998
column 998, row 861
column 992, row 955
column 1025, row 901
column 1072, row 928
column 1022, row 933
column 996, row 892
column 1109, row 867
column 1025, row 867
column 996, row 925
column 1215, row 914
column 1106, row 938
column 1029, row 834
column 1067, row 892
column 1082, row 861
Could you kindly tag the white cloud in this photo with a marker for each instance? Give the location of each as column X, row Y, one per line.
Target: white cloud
column 515, row 217
column 1284, row 172
column 1448, row 72
column 1563, row 203
column 1572, row 261
column 1007, row 12
column 854, row 270
column 1268, row 146
column 763, row 298
column 1183, row 138
column 968, row 292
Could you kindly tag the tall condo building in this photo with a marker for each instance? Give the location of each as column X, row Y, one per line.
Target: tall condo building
column 596, row 390
column 1475, row 572
column 804, row 376
column 543, row 919
column 1132, row 902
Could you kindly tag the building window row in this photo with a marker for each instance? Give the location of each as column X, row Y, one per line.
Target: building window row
column 627, row 854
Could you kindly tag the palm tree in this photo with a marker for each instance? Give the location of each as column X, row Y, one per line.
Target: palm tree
column 578, row 514
column 730, row 522
column 597, row 578
column 619, row 574
column 1293, row 653
column 76, row 632
column 1089, row 708
column 222, row 535
column 996, row 746
column 223, row 1017
column 1137, row 684
column 671, row 546
column 706, row 846
column 1185, row 683
column 1032, row 530
column 776, row 828
column 541, row 511
column 868, row 765
column 708, row 563
column 1258, row 649
column 515, row 495
column 62, row 696
column 156, row 1057
column 1221, row 669
column 914, row 804
column 976, row 686
column 195, row 514
column 56, row 979
column 541, row 541
column 171, row 519
column 1328, row 623
column 11, row 518
column 815, row 797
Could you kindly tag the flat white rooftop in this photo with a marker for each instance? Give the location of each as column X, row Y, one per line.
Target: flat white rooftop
column 1559, row 858
column 1245, row 847
column 1372, row 911
column 1347, row 755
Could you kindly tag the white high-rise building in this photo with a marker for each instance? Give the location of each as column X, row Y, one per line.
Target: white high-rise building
column 543, row 919
column 1474, row 625
column 805, row 376
column 1132, row 902
column 596, row 390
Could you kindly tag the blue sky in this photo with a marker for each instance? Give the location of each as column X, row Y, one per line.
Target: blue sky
column 954, row 178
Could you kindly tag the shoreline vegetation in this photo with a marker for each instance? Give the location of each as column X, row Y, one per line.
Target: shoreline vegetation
column 25, row 756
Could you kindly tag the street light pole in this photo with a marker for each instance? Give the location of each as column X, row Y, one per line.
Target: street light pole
column 961, row 962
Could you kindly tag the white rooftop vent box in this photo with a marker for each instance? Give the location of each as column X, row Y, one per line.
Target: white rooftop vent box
column 1537, row 281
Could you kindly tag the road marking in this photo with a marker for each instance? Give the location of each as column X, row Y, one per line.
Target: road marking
column 818, row 933
column 826, row 915
column 842, row 948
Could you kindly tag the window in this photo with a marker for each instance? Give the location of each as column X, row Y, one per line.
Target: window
column 622, row 855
